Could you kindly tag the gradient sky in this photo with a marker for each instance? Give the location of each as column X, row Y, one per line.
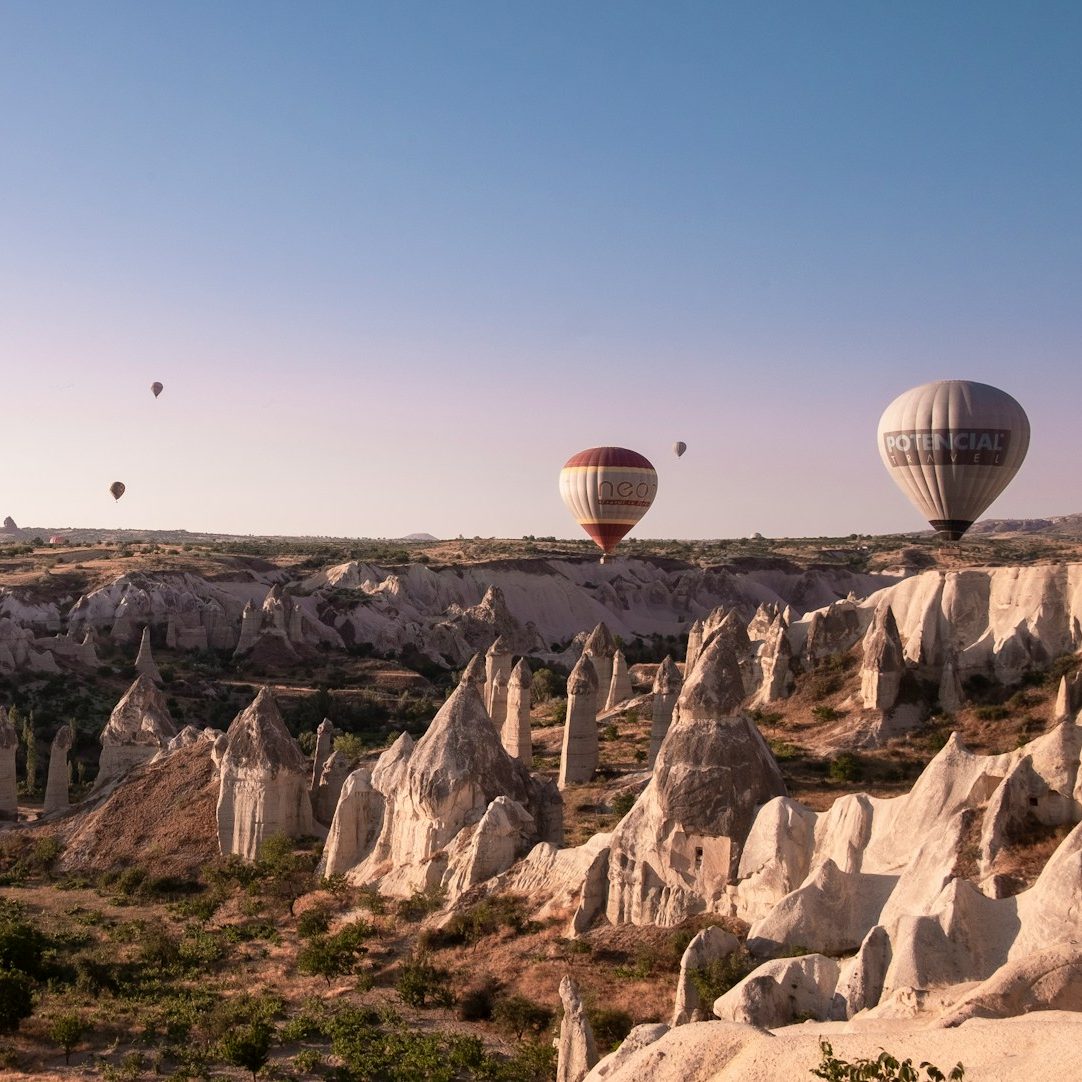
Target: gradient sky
column 395, row 262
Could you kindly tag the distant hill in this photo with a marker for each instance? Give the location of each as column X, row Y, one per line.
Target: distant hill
column 417, row 537
column 1058, row 526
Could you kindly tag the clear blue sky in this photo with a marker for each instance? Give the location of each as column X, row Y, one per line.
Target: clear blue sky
column 396, row 262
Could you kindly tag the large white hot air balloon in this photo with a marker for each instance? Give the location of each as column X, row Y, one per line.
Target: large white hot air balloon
column 953, row 446
column 607, row 490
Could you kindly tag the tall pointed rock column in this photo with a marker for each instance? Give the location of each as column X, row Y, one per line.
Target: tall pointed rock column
column 578, row 757
column 264, row 781
column 56, row 787
column 884, row 664
column 324, row 747
column 474, row 674
column 695, row 644
column 515, row 735
column 619, row 690
column 9, row 744
column 600, row 648
column 667, row 684
column 498, row 664
column 144, row 660
column 577, row 1050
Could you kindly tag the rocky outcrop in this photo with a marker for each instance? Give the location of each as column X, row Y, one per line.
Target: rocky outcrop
column 831, row 631
column 324, row 747
column 264, row 782
column 139, row 727
column 358, row 816
column 600, row 648
column 1068, row 697
column 695, row 645
column 676, row 850
column 781, row 991
column 619, row 690
column 667, row 684
column 455, row 809
column 883, row 665
column 577, row 1050
column 331, row 780
column 144, row 661
column 56, row 785
column 774, row 662
column 579, row 753
column 515, row 734
column 474, row 674
column 709, row 945
column 9, row 745
column 498, row 664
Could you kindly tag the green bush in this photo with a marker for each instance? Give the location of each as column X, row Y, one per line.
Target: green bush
column 16, row 1000
column 610, row 1026
column 422, row 984
column 845, row 767
column 720, row 974
column 826, row 713
column 544, row 685
column 67, row 1031
column 519, row 1015
column 247, row 1046
column 885, row 1068
column 22, row 946
column 622, row 803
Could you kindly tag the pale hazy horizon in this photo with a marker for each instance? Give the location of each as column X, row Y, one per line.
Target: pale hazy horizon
column 395, row 264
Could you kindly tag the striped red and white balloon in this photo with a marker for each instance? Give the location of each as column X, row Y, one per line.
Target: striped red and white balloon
column 607, row 490
column 952, row 447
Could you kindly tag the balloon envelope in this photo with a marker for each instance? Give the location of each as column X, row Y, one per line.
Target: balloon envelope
column 157, row 388
column 117, row 489
column 607, row 490
column 679, row 448
column 953, row 446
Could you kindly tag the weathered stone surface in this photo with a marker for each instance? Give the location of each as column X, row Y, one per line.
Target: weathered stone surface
column 438, row 826
column 619, row 689
column 139, row 727
column 952, row 696
column 358, row 817
column 1068, row 697
column 709, row 945
column 600, row 648
column 515, row 734
column 144, row 661
column 883, row 664
column 695, row 645
column 264, row 781
column 779, row 992
column 639, row 1037
column 774, row 664
column 323, row 749
column 474, row 674
column 498, row 664
column 674, row 852
column 830, row 631
column 860, row 982
column 9, row 745
column 667, row 685
column 579, row 753
column 56, row 786
column 333, row 777
column 577, row 1048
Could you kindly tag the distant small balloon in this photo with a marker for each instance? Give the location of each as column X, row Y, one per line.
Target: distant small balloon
column 679, row 448
column 157, row 388
column 117, row 489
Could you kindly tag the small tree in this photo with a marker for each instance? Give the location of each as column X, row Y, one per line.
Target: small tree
column 247, row 1046
column 67, row 1031
column 16, row 1000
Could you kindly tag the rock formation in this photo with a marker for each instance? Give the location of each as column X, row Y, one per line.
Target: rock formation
column 695, row 644
column 883, row 665
column 138, row 728
column 358, row 816
column 474, row 674
column 952, row 696
column 454, row 810
column 9, row 745
column 579, row 754
column 676, row 850
column 515, row 734
column 56, row 785
column 264, row 781
column 144, row 661
column 1068, row 697
column 577, row 1048
column 332, row 778
column 498, row 662
column 667, row 684
column 324, row 747
column 774, row 664
column 600, row 648
column 709, row 945
column 619, row 689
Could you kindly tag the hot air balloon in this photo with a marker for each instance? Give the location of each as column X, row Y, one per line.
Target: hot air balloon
column 607, row 490
column 953, row 446
column 679, row 448
column 157, row 388
column 117, row 489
